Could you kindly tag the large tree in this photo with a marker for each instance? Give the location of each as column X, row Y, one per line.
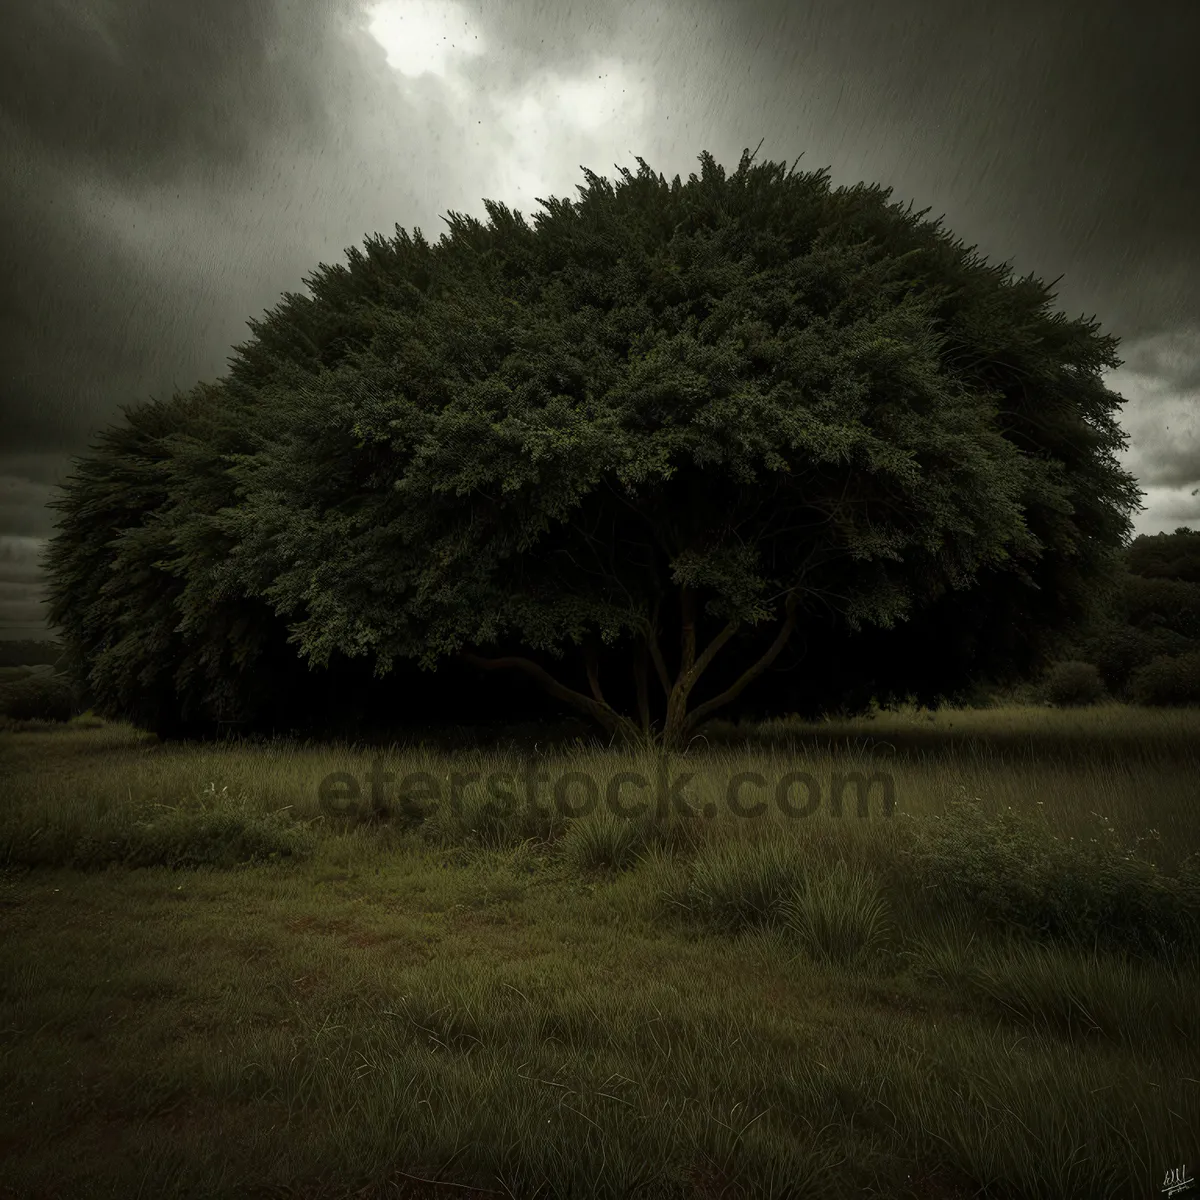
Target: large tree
column 153, row 629
column 682, row 434
column 669, row 423
column 130, row 571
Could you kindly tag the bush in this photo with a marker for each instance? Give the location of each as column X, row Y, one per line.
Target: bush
column 1009, row 871
column 38, row 698
column 1073, row 683
column 1167, row 681
column 1162, row 604
column 1119, row 650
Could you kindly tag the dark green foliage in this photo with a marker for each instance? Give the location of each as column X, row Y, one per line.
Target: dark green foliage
column 1022, row 878
column 705, row 415
column 154, row 627
column 1168, row 681
column 1167, row 555
column 39, row 697
column 113, row 590
column 1120, row 649
column 1073, row 683
column 1152, row 612
column 1162, row 604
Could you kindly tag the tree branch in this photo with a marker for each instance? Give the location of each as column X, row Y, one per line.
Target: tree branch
column 656, row 654
column 687, row 632
column 596, row 709
column 714, row 647
column 748, row 676
column 593, row 671
column 641, row 682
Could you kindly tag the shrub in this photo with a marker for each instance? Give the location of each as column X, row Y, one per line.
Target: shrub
column 1167, row 681
column 1008, row 870
column 1162, row 603
column 1073, row 683
column 39, row 697
column 1118, row 650
column 976, row 694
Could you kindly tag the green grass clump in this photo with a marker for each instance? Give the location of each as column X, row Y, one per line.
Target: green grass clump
column 739, row 885
column 1091, row 994
column 478, row 818
column 839, row 915
column 604, row 841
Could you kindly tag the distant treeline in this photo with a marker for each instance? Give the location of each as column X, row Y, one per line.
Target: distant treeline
column 1153, row 616
column 28, row 652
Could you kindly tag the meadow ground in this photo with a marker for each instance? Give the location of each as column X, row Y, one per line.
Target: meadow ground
column 213, row 982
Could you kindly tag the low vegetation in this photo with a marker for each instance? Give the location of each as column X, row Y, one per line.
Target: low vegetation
column 218, row 979
column 36, row 696
column 1073, row 683
column 1168, row 680
column 744, row 445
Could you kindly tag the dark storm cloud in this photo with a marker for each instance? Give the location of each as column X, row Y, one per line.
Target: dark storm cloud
column 1065, row 136
column 23, row 503
column 179, row 165
column 1162, row 416
column 140, row 96
column 21, row 587
column 186, row 106
column 147, row 92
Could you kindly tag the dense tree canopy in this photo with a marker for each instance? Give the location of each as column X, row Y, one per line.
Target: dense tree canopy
column 641, row 453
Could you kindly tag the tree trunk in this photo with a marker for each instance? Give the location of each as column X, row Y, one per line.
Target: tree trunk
column 680, row 724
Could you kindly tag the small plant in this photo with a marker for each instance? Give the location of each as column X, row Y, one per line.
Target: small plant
column 41, row 697
column 479, row 819
column 603, row 840
column 1167, row 681
column 738, row 886
column 838, row 916
column 1070, row 684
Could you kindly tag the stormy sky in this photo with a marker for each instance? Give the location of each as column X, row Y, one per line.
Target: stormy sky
column 179, row 166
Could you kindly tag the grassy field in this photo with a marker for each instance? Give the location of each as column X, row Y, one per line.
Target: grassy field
column 213, row 982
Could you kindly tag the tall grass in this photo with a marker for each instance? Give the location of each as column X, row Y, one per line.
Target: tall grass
column 990, row 991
